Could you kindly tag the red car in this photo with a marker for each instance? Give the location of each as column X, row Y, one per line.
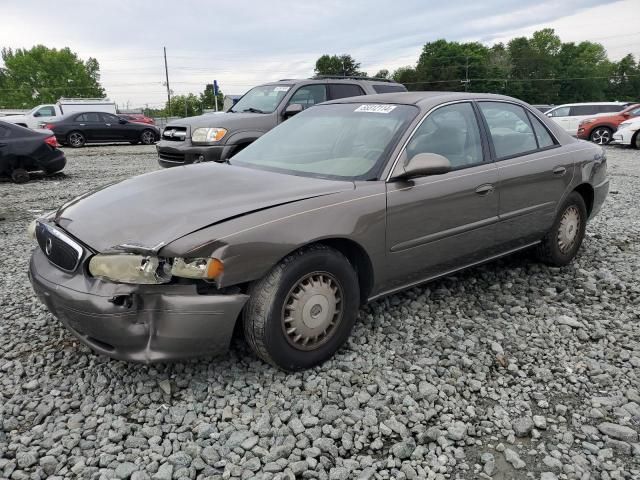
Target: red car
column 137, row 118
column 600, row 129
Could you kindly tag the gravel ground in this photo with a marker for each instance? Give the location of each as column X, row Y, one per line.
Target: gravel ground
column 510, row 370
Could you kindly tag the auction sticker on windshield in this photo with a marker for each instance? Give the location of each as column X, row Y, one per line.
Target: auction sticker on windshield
column 281, row 89
column 373, row 108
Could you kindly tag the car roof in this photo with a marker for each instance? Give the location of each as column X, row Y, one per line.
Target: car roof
column 332, row 79
column 423, row 99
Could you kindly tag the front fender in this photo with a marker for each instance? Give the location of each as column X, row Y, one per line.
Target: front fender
column 249, row 246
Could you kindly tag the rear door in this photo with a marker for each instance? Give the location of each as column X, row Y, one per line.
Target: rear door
column 532, row 170
column 443, row 222
column 90, row 124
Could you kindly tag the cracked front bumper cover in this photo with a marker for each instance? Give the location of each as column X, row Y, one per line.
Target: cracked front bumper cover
column 143, row 323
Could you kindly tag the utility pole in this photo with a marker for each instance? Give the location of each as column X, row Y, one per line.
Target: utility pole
column 466, row 73
column 166, row 73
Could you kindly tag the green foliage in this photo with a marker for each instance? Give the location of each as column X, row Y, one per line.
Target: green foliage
column 539, row 69
column 207, row 99
column 43, row 75
column 185, row 106
column 343, row 65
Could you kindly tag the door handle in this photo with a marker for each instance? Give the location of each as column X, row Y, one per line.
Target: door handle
column 559, row 171
column 485, row 189
column 108, row 124
column 82, row 124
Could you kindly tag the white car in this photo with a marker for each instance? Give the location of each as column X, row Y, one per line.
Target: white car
column 628, row 133
column 569, row 115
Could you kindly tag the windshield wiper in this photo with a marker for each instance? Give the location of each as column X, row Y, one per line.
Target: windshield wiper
column 253, row 110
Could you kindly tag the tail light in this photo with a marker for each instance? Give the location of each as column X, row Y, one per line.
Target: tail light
column 48, row 126
column 52, row 141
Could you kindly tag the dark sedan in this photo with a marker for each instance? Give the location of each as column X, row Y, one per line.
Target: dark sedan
column 76, row 129
column 23, row 150
column 346, row 202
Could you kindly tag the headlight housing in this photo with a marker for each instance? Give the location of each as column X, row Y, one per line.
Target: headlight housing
column 208, row 135
column 150, row 270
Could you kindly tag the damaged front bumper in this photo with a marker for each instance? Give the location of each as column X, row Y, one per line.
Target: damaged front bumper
column 144, row 323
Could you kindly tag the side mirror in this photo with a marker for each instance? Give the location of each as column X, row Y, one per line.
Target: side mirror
column 424, row 164
column 37, row 114
column 549, row 115
column 293, row 109
column 122, row 121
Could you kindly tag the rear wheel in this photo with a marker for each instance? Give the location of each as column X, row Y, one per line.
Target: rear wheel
column 76, row 139
column 601, row 135
column 303, row 310
column 148, row 137
column 20, row 175
column 561, row 244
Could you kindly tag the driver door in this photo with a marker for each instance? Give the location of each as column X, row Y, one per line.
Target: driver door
column 440, row 223
column 45, row 114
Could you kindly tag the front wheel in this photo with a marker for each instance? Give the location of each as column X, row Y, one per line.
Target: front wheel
column 303, row 310
column 147, row 137
column 635, row 141
column 561, row 244
column 601, row 135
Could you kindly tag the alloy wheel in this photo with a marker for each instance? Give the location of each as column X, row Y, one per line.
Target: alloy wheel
column 312, row 310
column 601, row 136
column 148, row 137
column 76, row 139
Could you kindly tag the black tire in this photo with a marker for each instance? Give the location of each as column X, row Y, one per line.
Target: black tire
column 635, row 141
column 19, row 175
column 76, row 139
column 148, row 137
column 264, row 318
column 601, row 135
column 555, row 249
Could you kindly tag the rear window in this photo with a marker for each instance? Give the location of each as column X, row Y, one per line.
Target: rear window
column 610, row 108
column 584, row 110
column 339, row 90
column 88, row 117
column 389, row 88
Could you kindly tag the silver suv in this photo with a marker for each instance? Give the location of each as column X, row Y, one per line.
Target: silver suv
column 217, row 137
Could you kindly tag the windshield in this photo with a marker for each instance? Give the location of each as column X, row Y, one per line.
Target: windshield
column 341, row 141
column 262, row 99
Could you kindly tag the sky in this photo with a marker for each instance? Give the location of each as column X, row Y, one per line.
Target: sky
column 244, row 43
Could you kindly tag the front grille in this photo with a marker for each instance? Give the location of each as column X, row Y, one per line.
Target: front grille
column 174, row 134
column 171, row 157
column 60, row 249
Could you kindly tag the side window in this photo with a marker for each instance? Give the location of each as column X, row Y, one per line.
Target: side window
column 309, row 95
column 87, row 117
column 45, row 112
column 451, row 131
column 344, row 90
column 542, row 134
column 559, row 112
column 634, row 113
column 580, row 110
column 108, row 118
column 389, row 87
column 509, row 127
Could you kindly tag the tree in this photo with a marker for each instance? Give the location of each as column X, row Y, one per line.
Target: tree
column 384, row 73
column 43, row 75
column 343, row 65
column 184, row 106
column 207, row 99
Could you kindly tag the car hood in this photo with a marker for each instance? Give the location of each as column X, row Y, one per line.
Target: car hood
column 151, row 210
column 225, row 120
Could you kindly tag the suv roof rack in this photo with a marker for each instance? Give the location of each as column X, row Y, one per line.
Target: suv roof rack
column 347, row 77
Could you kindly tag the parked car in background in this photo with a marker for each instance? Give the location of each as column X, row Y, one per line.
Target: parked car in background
column 138, row 118
column 543, row 108
column 77, row 129
column 347, row 202
column 52, row 112
column 628, row 133
column 23, row 150
column 600, row 129
column 570, row 115
column 218, row 137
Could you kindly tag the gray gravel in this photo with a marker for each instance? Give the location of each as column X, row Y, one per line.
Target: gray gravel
column 510, row 370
